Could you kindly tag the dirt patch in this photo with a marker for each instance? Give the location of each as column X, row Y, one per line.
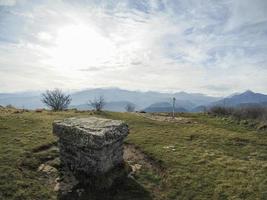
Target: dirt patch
column 137, row 159
column 47, row 169
column 64, row 182
column 167, row 118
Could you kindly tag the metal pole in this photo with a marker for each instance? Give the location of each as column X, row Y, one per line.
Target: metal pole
column 173, row 107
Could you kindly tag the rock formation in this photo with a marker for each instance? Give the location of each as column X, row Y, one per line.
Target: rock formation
column 92, row 148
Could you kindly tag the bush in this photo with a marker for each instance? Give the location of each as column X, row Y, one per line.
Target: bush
column 98, row 103
column 9, row 106
column 220, row 111
column 241, row 113
column 250, row 113
column 130, row 107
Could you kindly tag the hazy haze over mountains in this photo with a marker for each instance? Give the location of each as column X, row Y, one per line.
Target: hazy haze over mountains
column 243, row 98
column 117, row 99
column 114, row 97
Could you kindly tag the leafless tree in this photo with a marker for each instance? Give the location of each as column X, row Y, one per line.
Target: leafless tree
column 98, row 103
column 130, row 107
column 56, row 99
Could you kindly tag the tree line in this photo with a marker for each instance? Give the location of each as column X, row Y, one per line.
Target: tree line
column 57, row 100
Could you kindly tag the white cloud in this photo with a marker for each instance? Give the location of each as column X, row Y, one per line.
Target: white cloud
column 245, row 13
column 172, row 45
column 44, row 36
column 7, row 2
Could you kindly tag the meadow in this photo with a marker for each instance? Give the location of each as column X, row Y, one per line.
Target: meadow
column 195, row 157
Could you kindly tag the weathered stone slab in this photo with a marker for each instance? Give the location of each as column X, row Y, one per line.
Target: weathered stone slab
column 90, row 147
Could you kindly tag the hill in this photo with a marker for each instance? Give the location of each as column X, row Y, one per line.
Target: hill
column 111, row 95
column 248, row 97
column 116, row 100
column 116, row 106
column 29, row 100
column 142, row 99
column 194, row 157
column 165, row 107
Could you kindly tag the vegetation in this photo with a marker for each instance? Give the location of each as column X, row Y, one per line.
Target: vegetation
column 56, row 99
column 200, row 157
column 250, row 112
column 10, row 106
column 98, row 103
column 252, row 116
column 130, row 107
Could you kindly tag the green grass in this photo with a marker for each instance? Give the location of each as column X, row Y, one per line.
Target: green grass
column 212, row 158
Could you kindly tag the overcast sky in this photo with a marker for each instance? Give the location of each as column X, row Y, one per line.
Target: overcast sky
column 208, row 46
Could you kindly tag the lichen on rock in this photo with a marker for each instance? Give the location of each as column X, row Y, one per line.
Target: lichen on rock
column 91, row 147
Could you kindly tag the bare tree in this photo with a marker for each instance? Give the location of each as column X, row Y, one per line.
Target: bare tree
column 56, row 99
column 98, row 103
column 130, row 107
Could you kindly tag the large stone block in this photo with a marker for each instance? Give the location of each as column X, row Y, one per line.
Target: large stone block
column 90, row 147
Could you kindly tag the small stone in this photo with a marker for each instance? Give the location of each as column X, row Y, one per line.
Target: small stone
column 136, row 167
column 47, row 169
column 169, row 147
column 41, row 167
column 57, row 187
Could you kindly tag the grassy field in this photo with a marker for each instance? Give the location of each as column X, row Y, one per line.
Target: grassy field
column 200, row 158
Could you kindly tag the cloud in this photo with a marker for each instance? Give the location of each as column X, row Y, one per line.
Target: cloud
column 217, row 88
column 195, row 45
column 7, row 2
column 245, row 13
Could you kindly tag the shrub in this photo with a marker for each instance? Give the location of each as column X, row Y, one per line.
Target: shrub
column 220, row 111
column 249, row 113
column 56, row 99
column 10, row 106
column 130, row 107
column 98, row 103
column 241, row 113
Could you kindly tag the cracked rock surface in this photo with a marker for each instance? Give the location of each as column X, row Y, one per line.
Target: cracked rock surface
column 90, row 146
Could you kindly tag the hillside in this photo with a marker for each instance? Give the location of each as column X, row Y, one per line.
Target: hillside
column 165, row 107
column 112, row 96
column 247, row 97
column 116, row 106
column 194, row 157
column 117, row 99
column 29, row 100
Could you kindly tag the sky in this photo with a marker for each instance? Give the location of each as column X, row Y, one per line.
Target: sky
column 206, row 46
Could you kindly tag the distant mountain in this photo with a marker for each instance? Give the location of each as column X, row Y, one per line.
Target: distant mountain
column 142, row 99
column 116, row 106
column 195, row 98
column 164, row 107
column 29, row 100
column 118, row 98
column 248, row 97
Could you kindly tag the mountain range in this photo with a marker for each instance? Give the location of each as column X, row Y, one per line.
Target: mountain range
column 248, row 97
column 116, row 100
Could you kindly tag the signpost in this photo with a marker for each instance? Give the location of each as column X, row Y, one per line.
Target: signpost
column 173, row 107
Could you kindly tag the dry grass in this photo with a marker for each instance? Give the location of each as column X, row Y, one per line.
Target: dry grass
column 210, row 158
